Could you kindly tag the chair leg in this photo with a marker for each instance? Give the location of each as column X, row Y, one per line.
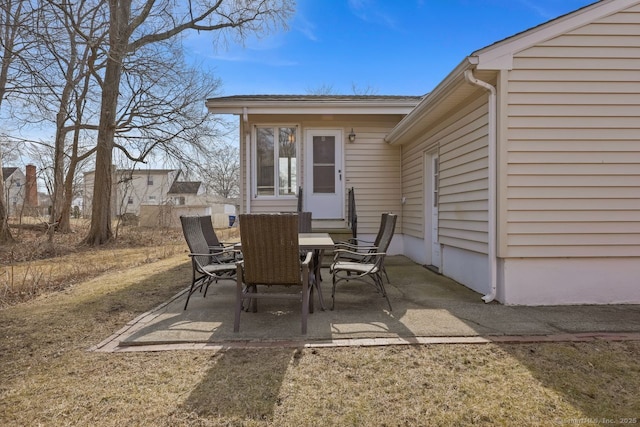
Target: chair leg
column 305, row 307
column 189, row 294
column 311, row 285
column 238, row 308
column 253, row 302
column 384, row 270
column 380, row 282
column 333, row 293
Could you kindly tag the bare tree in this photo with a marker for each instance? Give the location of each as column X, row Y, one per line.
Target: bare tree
column 66, row 87
column 16, row 18
column 222, row 176
column 328, row 89
column 131, row 28
column 323, row 89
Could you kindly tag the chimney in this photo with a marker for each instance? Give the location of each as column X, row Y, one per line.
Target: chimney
column 31, row 195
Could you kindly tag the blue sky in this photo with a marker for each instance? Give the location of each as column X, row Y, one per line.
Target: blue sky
column 400, row 47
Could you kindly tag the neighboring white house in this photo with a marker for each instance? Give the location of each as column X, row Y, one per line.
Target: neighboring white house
column 132, row 189
column 14, row 189
column 20, row 191
column 518, row 175
column 157, row 198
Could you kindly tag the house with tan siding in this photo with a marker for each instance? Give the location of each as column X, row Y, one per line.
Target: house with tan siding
column 518, row 175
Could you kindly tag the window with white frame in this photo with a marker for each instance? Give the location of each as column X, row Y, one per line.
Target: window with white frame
column 276, row 161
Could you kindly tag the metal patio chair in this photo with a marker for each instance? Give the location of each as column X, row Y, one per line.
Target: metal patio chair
column 271, row 256
column 304, row 222
column 358, row 249
column 369, row 269
column 216, row 247
column 206, row 267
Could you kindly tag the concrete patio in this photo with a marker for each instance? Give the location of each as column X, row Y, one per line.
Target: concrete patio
column 427, row 308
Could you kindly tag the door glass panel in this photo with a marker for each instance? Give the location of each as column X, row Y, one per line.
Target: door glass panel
column 324, row 154
column 265, row 162
column 436, row 176
column 288, row 181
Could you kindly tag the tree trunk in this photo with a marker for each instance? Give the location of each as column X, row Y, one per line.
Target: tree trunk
column 58, row 165
column 64, row 226
column 5, row 231
column 100, row 231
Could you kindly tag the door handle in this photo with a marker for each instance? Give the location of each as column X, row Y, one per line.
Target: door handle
column 340, row 174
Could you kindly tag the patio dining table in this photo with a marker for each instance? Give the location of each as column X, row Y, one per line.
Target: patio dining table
column 317, row 243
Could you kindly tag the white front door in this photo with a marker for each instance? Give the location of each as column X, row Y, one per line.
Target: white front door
column 431, row 210
column 323, row 189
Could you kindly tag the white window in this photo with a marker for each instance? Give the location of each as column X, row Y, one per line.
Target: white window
column 152, row 198
column 149, row 180
column 276, row 161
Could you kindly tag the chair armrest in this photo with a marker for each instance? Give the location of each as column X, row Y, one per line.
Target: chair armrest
column 339, row 253
column 354, row 247
column 354, row 241
column 307, row 258
column 228, row 244
column 230, row 250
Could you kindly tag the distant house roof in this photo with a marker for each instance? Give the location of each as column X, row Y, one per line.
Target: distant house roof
column 313, row 104
column 185, row 187
column 140, row 171
column 145, row 171
column 7, row 172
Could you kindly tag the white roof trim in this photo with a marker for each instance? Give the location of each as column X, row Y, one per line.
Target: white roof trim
column 284, row 106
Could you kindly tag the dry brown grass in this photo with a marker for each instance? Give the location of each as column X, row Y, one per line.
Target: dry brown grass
column 34, row 265
column 47, row 376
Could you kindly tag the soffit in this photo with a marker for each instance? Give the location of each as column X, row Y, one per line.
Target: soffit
column 312, row 104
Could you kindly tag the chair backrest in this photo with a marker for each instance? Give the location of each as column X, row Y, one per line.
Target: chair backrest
column 192, row 230
column 387, row 232
column 304, row 222
column 383, row 222
column 270, row 249
column 207, row 230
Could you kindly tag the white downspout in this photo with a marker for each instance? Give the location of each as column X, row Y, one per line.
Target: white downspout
column 493, row 171
column 247, row 157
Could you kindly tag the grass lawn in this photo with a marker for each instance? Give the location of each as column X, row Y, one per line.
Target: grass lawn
column 47, row 376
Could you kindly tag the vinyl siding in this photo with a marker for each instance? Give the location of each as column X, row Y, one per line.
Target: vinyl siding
column 371, row 166
column 573, row 155
column 462, row 142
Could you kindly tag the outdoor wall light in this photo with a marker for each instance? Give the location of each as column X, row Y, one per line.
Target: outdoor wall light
column 352, row 136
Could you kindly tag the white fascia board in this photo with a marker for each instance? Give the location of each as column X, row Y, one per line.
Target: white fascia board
column 500, row 55
column 302, row 107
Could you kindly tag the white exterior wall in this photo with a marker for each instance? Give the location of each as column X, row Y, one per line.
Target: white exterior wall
column 551, row 281
column 571, row 202
column 142, row 193
column 137, row 188
column 461, row 142
column 573, row 159
column 14, row 192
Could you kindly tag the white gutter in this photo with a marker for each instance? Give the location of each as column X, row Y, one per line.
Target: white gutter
column 247, row 155
column 493, row 143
